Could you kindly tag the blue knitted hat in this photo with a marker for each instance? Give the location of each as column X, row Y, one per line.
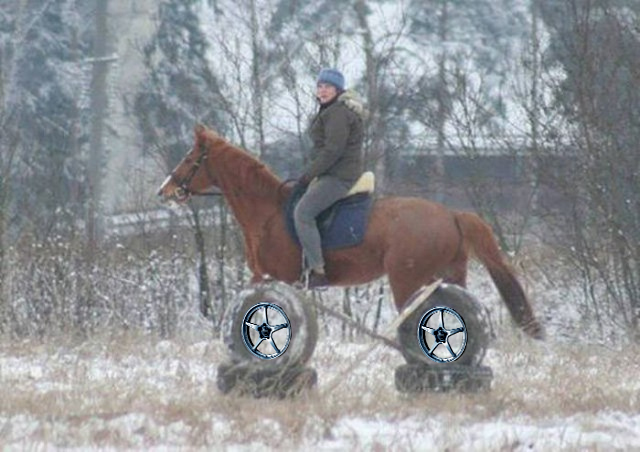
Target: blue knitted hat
column 332, row 76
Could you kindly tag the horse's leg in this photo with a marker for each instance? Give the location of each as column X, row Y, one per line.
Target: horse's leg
column 405, row 280
column 457, row 271
column 257, row 275
column 406, row 276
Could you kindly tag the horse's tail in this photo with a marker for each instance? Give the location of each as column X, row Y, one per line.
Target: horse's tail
column 479, row 240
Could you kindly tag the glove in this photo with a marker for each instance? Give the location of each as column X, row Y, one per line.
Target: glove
column 300, row 186
column 304, row 180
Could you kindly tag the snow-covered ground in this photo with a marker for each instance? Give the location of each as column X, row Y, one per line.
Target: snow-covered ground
column 578, row 390
column 139, row 392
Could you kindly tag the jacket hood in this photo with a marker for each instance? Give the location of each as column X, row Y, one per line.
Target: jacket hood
column 353, row 102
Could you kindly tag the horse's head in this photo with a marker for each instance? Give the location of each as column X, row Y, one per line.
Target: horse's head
column 192, row 175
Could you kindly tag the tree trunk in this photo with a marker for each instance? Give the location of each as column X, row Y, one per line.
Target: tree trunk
column 376, row 152
column 204, row 290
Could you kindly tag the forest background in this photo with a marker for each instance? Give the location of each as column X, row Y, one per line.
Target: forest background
column 524, row 111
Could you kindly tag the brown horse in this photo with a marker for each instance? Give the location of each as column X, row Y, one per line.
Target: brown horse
column 412, row 240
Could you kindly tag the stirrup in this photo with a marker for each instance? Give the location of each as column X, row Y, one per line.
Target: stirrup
column 305, row 277
column 303, row 282
column 317, row 281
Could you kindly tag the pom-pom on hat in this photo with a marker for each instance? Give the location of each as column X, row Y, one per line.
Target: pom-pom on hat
column 332, row 76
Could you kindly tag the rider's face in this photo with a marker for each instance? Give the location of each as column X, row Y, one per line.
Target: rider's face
column 326, row 92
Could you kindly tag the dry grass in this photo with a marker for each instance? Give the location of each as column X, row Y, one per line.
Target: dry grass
column 135, row 391
column 138, row 392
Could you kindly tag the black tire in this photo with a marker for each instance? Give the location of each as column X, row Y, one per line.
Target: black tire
column 418, row 378
column 468, row 307
column 302, row 317
column 248, row 380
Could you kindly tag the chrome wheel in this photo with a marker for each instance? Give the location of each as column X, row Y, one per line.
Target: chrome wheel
column 478, row 331
column 266, row 331
column 302, row 331
column 442, row 334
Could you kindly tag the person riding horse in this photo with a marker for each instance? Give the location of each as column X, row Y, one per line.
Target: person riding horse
column 411, row 240
column 337, row 133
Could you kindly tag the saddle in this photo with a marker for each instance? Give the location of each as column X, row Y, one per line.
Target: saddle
column 344, row 223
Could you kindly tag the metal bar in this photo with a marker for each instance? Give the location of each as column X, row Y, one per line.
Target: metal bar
column 363, row 329
column 413, row 304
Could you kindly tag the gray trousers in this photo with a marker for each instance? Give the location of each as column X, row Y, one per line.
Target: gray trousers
column 323, row 192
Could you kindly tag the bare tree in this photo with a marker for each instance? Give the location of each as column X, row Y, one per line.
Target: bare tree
column 597, row 47
column 180, row 90
column 7, row 154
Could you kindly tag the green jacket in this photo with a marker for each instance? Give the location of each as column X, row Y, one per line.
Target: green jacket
column 337, row 133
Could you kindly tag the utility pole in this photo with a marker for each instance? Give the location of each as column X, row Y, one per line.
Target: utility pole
column 9, row 141
column 99, row 106
column 442, row 99
column 4, row 173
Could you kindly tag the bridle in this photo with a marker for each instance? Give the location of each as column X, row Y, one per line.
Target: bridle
column 183, row 192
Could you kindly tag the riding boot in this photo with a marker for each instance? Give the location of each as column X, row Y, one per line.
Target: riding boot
column 317, row 280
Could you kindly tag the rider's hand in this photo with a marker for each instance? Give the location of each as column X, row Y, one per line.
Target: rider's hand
column 303, row 180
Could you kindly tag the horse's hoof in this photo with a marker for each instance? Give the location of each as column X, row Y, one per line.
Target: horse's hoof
column 535, row 330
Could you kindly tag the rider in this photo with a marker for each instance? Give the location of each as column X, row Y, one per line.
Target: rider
column 337, row 133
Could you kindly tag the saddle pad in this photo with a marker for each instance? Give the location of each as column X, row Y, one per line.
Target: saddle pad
column 341, row 226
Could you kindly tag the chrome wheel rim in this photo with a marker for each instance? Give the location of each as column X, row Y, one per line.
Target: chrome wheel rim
column 266, row 331
column 442, row 334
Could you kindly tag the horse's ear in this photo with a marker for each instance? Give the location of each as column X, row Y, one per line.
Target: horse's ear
column 199, row 130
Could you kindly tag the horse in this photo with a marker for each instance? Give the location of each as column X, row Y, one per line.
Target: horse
column 412, row 240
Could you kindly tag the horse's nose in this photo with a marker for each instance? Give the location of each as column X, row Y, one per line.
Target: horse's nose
column 163, row 195
column 161, row 191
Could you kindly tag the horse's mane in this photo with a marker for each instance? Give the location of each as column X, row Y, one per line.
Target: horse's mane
column 248, row 171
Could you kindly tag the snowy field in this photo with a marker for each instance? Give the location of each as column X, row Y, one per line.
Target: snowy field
column 579, row 390
column 142, row 393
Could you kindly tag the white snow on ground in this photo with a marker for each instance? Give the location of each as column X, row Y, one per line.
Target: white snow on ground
column 151, row 394
column 138, row 392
